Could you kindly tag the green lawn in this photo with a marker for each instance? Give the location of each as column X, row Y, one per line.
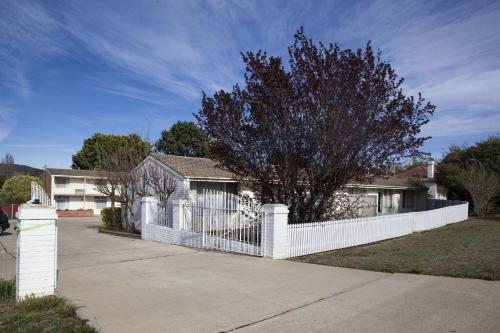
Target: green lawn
column 33, row 315
column 469, row 249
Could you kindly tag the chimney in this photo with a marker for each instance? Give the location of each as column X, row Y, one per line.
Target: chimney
column 430, row 169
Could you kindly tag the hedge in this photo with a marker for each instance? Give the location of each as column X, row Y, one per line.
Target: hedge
column 106, row 217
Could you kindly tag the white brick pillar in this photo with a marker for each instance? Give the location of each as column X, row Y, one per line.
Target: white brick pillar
column 275, row 231
column 178, row 214
column 36, row 263
column 149, row 209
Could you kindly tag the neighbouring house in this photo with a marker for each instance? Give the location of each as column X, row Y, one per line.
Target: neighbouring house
column 425, row 175
column 405, row 192
column 384, row 195
column 72, row 190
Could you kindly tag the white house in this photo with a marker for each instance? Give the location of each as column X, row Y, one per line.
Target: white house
column 193, row 175
column 74, row 190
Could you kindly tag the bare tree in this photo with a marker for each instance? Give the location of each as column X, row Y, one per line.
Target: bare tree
column 8, row 159
column 109, row 186
column 346, row 204
column 8, row 168
column 128, row 194
column 158, row 182
column 482, row 184
column 126, row 185
column 119, row 184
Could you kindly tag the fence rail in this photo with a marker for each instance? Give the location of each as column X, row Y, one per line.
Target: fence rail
column 226, row 221
column 307, row 238
column 163, row 214
column 38, row 193
column 437, row 203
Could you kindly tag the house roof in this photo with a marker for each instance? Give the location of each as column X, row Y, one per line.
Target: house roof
column 204, row 168
column 385, row 182
column 80, row 173
column 416, row 172
column 195, row 167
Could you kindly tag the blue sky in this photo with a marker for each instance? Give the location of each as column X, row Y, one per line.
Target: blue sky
column 69, row 69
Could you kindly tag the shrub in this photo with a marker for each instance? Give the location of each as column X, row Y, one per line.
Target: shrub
column 17, row 189
column 106, row 217
column 7, row 291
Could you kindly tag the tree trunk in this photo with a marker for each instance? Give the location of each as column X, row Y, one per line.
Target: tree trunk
column 113, row 211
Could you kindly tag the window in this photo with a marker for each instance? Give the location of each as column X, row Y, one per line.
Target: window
column 62, row 203
column 407, row 199
column 387, row 200
column 61, row 182
column 379, row 203
column 100, row 203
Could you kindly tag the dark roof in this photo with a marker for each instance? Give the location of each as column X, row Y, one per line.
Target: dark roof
column 197, row 167
column 416, row 172
column 385, row 182
column 194, row 167
column 390, row 182
column 80, row 173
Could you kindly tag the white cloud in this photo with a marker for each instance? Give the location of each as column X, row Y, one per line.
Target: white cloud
column 473, row 90
column 28, row 34
column 33, row 146
column 449, row 51
column 173, row 46
column 6, row 122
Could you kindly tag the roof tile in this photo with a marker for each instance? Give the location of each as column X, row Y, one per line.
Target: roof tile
column 194, row 167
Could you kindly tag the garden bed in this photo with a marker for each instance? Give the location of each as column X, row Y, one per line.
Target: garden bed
column 42, row 314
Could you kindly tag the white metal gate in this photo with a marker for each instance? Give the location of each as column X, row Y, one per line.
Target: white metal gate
column 226, row 222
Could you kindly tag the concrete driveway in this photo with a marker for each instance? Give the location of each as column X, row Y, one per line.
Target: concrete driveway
column 128, row 285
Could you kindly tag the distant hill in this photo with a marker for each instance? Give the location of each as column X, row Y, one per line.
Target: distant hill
column 19, row 169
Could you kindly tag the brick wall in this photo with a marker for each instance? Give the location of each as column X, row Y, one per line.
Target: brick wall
column 47, row 183
column 75, row 213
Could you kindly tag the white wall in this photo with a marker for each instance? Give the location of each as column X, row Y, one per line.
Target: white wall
column 75, row 185
column 73, row 190
column 181, row 186
column 78, row 202
column 392, row 200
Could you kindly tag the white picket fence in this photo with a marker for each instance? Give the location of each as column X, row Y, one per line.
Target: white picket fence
column 38, row 193
column 307, row 238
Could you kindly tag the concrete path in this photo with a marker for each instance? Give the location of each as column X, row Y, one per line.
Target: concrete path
column 127, row 285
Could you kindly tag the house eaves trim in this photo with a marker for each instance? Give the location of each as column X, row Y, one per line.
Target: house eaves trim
column 68, row 176
column 219, row 179
column 388, row 187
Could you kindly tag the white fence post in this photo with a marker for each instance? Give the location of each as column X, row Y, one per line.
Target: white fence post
column 275, row 238
column 307, row 238
column 178, row 214
column 149, row 209
column 36, row 263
